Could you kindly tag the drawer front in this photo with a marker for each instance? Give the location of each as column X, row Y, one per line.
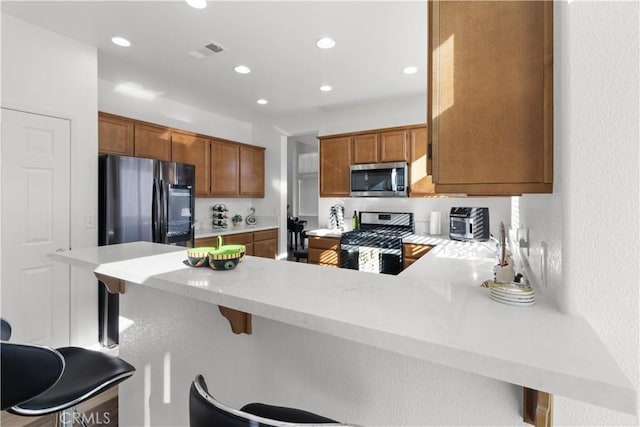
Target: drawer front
column 207, row 242
column 413, row 250
column 324, row 242
column 266, row 248
column 325, row 257
column 238, row 239
column 258, row 236
column 407, row 262
column 249, row 246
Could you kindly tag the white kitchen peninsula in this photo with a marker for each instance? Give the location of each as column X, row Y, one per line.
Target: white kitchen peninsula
column 434, row 312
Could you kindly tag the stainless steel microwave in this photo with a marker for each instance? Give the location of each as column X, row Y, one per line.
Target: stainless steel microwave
column 379, row 180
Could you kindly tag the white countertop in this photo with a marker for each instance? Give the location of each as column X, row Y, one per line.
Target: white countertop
column 234, row 229
column 423, row 239
column 324, row 232
column 434, row 310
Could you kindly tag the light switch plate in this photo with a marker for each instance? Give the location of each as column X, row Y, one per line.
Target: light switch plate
column 89, row 221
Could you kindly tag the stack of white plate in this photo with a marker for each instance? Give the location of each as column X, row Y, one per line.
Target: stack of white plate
column 512, row 293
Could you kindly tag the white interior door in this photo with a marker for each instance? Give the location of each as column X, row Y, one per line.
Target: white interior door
column 35, row 223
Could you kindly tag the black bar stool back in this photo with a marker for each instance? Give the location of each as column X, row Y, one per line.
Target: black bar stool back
column 206, row 411
column 38, row 380
column 27, row 371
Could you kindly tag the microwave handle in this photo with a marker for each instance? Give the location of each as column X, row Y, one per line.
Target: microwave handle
column 394, row 180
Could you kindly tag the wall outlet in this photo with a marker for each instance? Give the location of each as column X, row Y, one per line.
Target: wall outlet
column 89, row 221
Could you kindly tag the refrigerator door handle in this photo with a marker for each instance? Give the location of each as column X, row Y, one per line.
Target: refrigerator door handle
column 155, row 226
column 164, row 211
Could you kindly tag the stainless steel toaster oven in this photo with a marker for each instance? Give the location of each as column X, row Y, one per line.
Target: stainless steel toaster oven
column 467, row 224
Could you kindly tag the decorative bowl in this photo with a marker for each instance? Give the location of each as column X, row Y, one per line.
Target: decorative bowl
column 198, row 257
column 240, row 249
column 226, row 257
column 223, row 264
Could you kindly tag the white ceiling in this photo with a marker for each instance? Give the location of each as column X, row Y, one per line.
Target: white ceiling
column 374, row 42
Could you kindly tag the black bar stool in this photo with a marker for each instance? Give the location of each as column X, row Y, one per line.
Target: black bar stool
column 295, row 229
column 206, row 411
column 38, row 380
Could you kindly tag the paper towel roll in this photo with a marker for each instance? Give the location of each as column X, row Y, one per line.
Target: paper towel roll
column 435, row 223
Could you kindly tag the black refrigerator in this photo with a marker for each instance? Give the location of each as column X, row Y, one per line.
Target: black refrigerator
column 140, row 200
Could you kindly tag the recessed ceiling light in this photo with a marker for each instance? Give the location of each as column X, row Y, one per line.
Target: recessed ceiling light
column 410, row 70
column 242, row 69
column 121, row 41
column 262, row 101
column 325, row 88
column 325, row 43
column 197, row 4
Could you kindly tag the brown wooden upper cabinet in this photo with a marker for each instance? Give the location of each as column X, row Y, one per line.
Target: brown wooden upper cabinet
column 490, row 115
column 237, row 170
column 335, row 158
column 420, row 182
column 225, row 168
column 152, row 142
column 400, row 144
column 251, row 171
column 389, row 146
column 365, row 148
column 394, row 146
column 115, row 135
column 193, row 149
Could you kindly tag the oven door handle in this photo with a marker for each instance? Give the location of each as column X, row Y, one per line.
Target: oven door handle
column 350, row 248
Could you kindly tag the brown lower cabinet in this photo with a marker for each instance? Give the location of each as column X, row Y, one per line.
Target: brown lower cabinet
column 240, row 239
column 265, row 243
column 262, row 243
column 411, row 252
column 324, row 251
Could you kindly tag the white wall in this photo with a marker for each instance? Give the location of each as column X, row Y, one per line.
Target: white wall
column 590, row 224
column 44, row 72
column 169, row 113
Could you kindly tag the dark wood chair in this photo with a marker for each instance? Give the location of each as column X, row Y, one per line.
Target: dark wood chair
column 301, row 254
column 295, row 229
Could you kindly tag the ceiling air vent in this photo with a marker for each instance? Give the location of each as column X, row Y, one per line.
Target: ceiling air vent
column 208, row 50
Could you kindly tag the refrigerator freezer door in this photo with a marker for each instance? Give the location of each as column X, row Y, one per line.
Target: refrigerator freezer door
column 126, row 199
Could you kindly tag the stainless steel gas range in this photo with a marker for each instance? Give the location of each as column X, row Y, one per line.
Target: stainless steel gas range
column 376, row 246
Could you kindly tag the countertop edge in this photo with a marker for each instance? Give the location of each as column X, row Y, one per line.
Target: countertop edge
column 200, row 234
column 615, row 392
